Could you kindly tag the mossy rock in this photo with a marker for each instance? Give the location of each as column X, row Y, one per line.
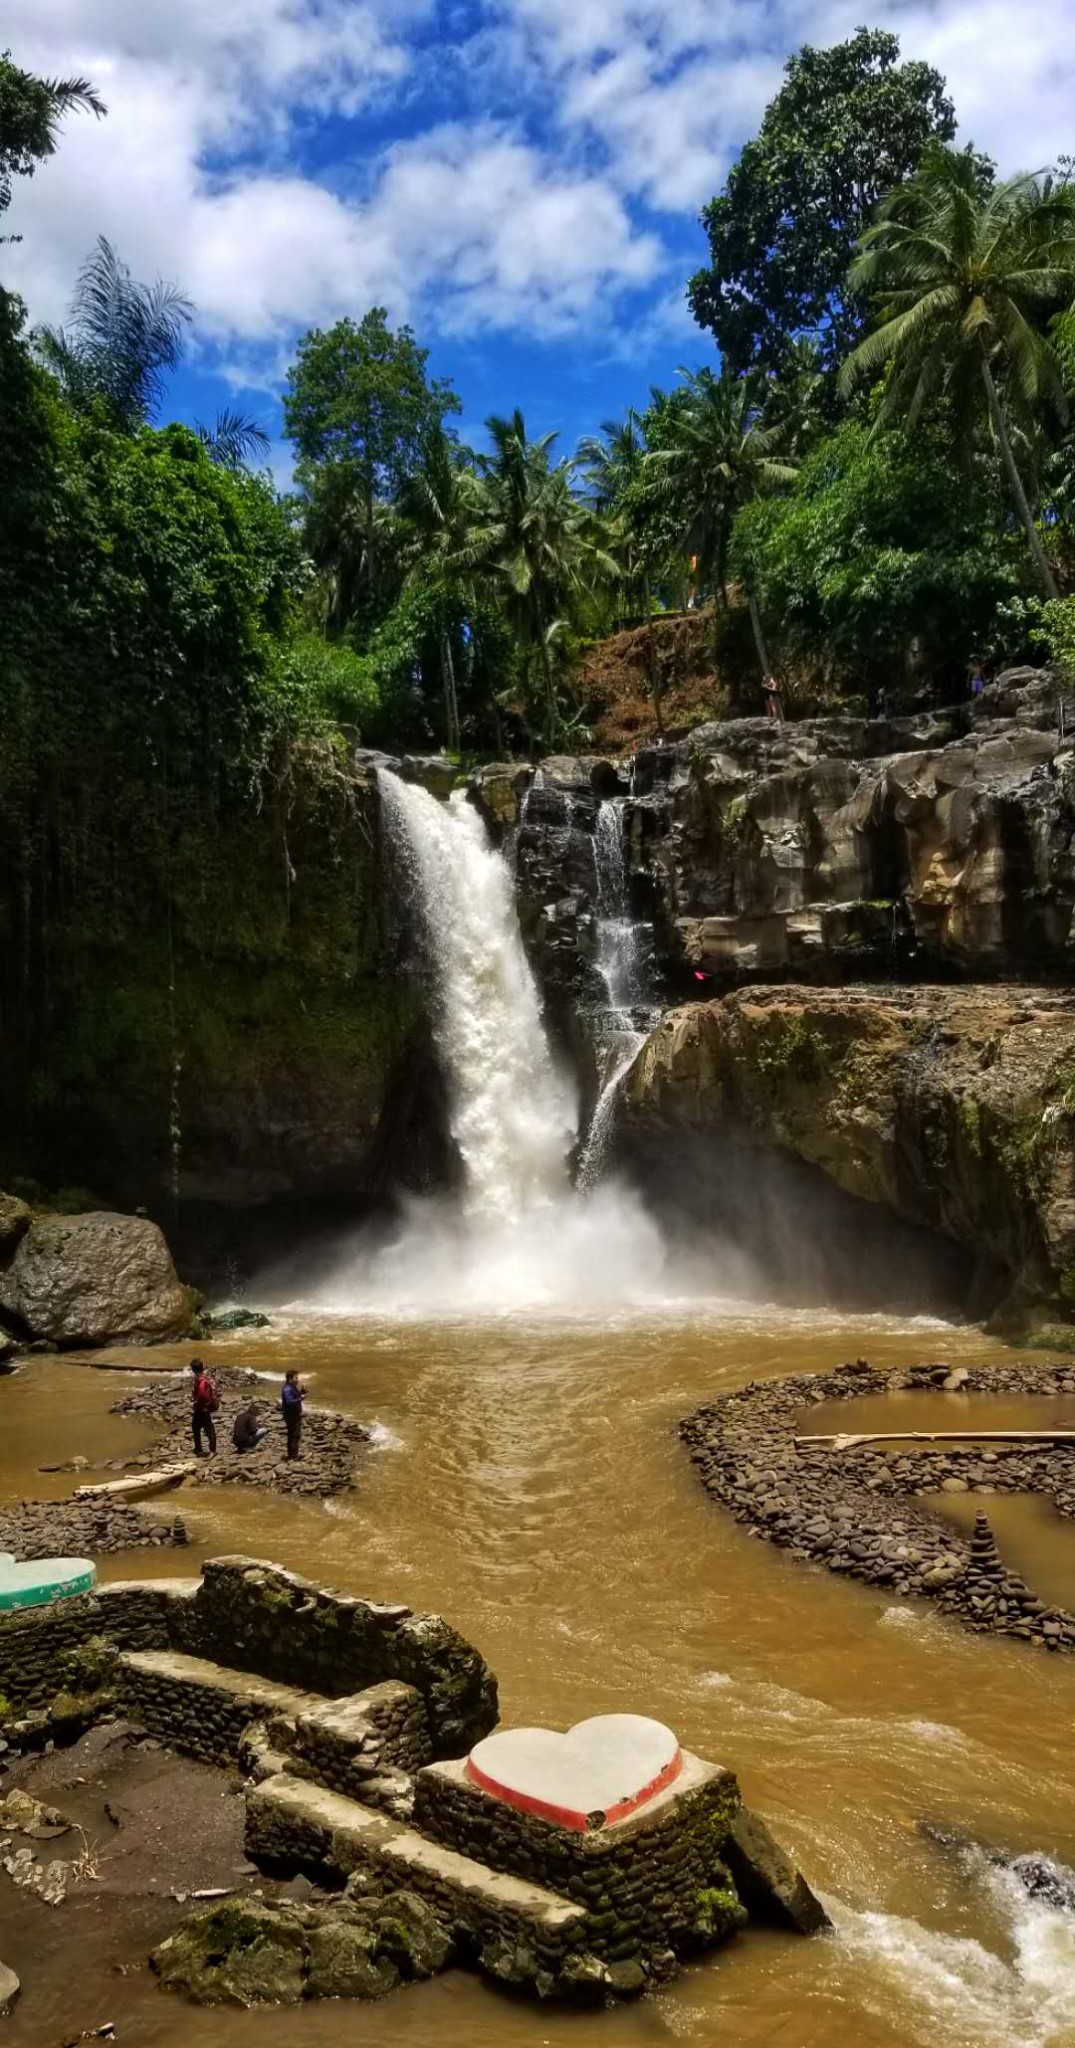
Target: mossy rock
column 240, row 1952
column 345, row 1962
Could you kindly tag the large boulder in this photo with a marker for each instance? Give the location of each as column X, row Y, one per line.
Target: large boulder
column 94, row 1279
column 9, row 1990
column 951, row 1108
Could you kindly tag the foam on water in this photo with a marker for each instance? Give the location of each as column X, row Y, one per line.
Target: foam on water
column 956, row 1990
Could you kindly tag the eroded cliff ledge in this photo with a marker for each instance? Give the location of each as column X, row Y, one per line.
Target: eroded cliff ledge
column 951, row 1108
column 935, row 844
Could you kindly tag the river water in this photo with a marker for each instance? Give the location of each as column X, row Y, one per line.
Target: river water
column 527, row 1482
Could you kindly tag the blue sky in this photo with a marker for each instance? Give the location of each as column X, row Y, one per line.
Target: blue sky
column 520, row 179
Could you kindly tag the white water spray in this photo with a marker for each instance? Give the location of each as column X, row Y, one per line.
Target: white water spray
column 519, row 1237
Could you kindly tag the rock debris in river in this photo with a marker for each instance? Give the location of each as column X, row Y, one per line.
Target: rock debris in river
column 857, row 1510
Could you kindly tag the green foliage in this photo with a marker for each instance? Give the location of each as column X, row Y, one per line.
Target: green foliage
column 848, row 124
column 966, row 279
column 1057, row 633
column 31, row 110
column 358, row 395
column 713, row 454
column 317, row 685
column 886, row 560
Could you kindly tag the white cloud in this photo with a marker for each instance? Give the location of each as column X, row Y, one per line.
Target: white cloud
column 669, row 89
column 474, row 226
column 528, row 217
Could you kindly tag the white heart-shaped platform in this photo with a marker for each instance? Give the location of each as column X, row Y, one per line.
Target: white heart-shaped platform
column 599, row 1772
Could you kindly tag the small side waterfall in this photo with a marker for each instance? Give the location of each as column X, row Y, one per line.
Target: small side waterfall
column 619, row 960
column 621, row 965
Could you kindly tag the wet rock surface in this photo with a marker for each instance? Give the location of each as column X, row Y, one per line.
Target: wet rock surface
column 92, row 1279
column 954, row 1108
column 830, row 845
column 859, row 1511
column 330, row 1442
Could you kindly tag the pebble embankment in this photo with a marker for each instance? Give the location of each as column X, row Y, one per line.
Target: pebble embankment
column 83, row 1528
column 859, row 1511
column 330, row 1442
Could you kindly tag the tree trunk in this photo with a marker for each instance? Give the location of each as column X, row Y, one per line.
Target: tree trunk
column 652, row 663
column 759, row 640
column 451, row 701
column 996, row 414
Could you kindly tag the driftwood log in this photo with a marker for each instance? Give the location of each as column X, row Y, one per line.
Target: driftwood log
column 944, row 1436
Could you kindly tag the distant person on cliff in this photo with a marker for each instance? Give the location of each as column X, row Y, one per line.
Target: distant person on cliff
column 774, row 705
column 291, row 1401
column 204, row 1402
column 247, row 1432
column 977, row 679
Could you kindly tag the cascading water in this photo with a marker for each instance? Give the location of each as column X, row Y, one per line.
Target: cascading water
column 519, row 1235
column 619, row 960
column 513, row 1113
column 620, row 963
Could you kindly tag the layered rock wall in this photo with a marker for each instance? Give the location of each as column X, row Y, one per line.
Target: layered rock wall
column 953, row 1108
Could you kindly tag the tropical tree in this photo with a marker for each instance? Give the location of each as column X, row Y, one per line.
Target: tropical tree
column 716, row 455
column 444, row 504
column 122, row 340
column 31, row 110
column 966, row 279
column 541, row 546
column 847, row 125
column 612, row 465
column 233, row 439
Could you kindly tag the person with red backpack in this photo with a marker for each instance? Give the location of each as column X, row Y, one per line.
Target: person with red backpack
column 204, row 1403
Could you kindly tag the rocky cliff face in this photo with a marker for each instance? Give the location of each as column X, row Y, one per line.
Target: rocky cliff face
column 835, row 847
column 252, row 1034
column 952, row 1109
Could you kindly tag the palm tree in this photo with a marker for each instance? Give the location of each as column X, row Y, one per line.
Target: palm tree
column 122, row 340
column 715, row 455
column 539, row 544
column 612, row 461
column 233, row 439
column 967, row 279
column 443, row 503
column 31, row 110
column 354, row 544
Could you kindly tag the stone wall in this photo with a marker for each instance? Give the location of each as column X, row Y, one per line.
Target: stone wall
column 656, row 1878
column 34, row 1641
column 255, row 1617
column 515, row 1930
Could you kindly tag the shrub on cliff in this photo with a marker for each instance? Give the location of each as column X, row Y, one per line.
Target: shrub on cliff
column 885, row 555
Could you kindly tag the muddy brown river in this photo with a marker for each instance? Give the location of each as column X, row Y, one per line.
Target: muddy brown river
column 527, row 1482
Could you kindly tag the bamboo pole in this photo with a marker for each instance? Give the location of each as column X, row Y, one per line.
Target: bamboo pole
column 945, row 1436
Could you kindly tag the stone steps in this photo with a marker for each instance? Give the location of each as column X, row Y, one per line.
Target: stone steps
column 290, row 1820
column 201, row 1708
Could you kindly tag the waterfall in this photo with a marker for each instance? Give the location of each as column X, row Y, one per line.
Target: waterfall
column 513, row 1113
column 618, row 955
column 519, row 1235
column 594, row 1158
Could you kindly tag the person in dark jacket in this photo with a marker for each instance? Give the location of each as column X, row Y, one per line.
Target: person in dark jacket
column 203, row 1406
column 291, row 1401
column 247, row 1432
